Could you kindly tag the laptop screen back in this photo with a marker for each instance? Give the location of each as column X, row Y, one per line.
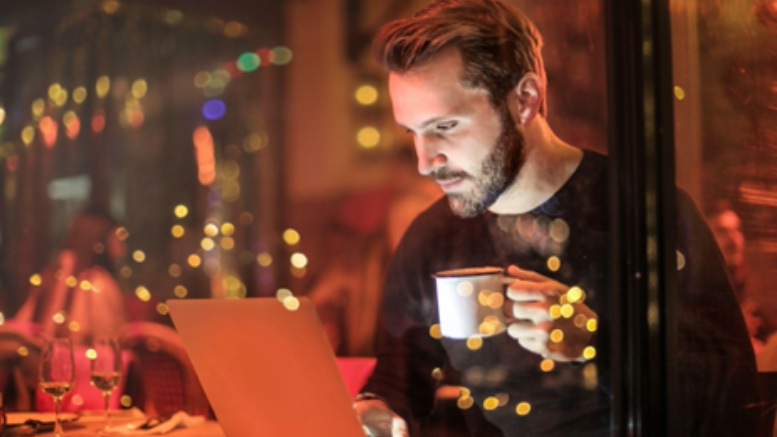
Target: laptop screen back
column 266, row 370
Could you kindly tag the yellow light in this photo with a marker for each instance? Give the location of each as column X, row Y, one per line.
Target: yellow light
column 22, row 351
column 38, row 106
column 680, row 261
column 2, row 115
column 366, row 95
column 592, row 325
column 142, row 293
column 110, row 6
column 122, row 233
column 177, row 231
column 91, row 354
column 181, row 211
column 139, row 88
column 79, row 94
column 126, row 401
column 490, row 403
column 299, row 260
column 207, row 244
column 194, row 260
column 523, row 408
column 36, row 279
column 58, row 318
column 547, row 365
column 227, row 229
column 211, row 230
column 474, row 343
column 71, row 281
column 567, row 310
column 86, row 285
column 28, row 134
column 496, row 300
column 554, row 311
column 161, row 308
column 589, row 352
column 255, row 141
column 201, row 79
column 291, row 303
column 554, row 263
column 574, row 294
column 234, row 29
column 74, row 326
column 174, row 270
column 227, row 243
column 264, row 259
column 139, row 256
column 679, row 93
column 61, row 98
column 435, row 332
column 298, row 272
column 291, row 236
column 102, row 86
column 465, row 402
column 465, row 288
column 368, row 137
column 556, row 336
column 558, row 230
column 283, row 294
column 54, row 90
column 180, row 291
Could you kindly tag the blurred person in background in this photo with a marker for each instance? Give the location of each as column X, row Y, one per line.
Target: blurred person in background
column 78, row 294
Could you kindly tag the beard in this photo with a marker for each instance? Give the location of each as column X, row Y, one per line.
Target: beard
column 497, row 171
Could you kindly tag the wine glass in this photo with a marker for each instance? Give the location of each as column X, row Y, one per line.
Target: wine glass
column 57, row 374
column 105, row 369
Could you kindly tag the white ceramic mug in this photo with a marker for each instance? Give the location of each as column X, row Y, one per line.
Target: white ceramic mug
column 470, row 301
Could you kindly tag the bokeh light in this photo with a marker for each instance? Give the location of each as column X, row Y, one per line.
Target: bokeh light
column 139, row 88
column 177, row 231
column 214, row 109
column 79, row 94
column 139, row 256
column 523, row 408
column 207, row 244
column 264, row 259
column 201, row 79
column 435, row 332
column 27, row 135
column 174, row 270
column 227, row 229
column 38, row 106
column 194, row 260
column 180, row 291
column 181, row 211
column 291, row 236
column 248, row 62
column 281, row 55
column 366, row 95
column 173, row 17
column 368, row 137
column 2, row 115
column 490, row 403
column 110, row 6
column 255, row 141
column 547, row 365
column 98, row 121
column 36, row 279
column 142, row 293
column 102, row 86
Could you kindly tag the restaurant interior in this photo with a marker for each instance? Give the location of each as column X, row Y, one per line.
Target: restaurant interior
column 155, row 150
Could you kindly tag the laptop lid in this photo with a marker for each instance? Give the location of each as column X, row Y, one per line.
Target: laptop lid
column 266, row 370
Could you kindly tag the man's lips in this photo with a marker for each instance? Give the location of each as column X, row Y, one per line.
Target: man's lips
column 449, row 183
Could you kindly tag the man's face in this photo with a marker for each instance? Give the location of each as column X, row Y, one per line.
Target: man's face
column 470, row 148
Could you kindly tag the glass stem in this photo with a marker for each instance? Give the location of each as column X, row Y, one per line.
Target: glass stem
column 107, row 397
column 57, row 410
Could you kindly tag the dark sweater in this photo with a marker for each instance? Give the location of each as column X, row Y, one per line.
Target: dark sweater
column 572, row 399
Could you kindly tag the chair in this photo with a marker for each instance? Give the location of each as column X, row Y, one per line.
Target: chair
column 161, row 380
column 20, row 353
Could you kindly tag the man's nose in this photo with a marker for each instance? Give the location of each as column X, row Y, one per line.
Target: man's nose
column 429, row 156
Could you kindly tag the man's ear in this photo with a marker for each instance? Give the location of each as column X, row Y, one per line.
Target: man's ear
column 525, row 98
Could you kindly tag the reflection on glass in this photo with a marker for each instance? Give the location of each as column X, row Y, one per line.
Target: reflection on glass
column 105, row 370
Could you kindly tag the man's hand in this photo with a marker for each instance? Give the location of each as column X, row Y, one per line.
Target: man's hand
column 548, row 317
column 378, row 420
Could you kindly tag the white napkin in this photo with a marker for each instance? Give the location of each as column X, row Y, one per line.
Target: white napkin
column 177, row 420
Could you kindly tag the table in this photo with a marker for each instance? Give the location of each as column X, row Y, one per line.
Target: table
column 90, row 423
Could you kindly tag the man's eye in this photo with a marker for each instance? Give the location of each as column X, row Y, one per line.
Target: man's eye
column 446, row 126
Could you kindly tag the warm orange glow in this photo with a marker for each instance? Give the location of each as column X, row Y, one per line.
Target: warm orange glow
column 98, row 121
column 206, row 161
column 48, row 129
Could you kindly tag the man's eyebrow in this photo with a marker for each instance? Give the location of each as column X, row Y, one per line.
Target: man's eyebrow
column 427, row 122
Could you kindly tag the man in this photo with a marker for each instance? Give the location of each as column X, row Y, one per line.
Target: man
column 467, row 81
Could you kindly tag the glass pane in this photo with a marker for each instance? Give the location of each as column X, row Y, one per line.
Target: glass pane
column 724, row 77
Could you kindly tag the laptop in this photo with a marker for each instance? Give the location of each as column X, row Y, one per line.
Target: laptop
column 266, row 370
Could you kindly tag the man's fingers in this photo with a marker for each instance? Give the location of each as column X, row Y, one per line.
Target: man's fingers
column 535, row 311
column 527, row 275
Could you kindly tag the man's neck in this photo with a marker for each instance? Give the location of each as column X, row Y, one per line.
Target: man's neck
column 549, row 164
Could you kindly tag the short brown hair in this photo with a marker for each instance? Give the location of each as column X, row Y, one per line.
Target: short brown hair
column 498, row 43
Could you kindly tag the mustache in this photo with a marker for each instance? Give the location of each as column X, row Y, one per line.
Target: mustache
column 443, row 175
